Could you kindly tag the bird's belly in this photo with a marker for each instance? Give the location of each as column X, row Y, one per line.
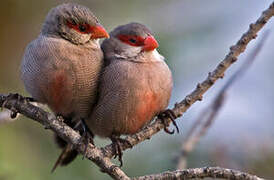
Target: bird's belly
column 59, row 94
column 146, row 108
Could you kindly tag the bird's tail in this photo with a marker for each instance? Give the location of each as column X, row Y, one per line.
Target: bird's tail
column 68, row 155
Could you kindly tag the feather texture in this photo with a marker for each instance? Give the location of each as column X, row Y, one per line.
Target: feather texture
column 62, row 74
column 130, row 95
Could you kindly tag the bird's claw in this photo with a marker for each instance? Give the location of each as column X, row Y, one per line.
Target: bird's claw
column 118, row 147
column 171, row 115
column 87, row 137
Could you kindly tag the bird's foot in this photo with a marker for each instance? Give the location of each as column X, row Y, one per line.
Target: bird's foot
column 171, row 115
column 87, row 136
column 117, row 141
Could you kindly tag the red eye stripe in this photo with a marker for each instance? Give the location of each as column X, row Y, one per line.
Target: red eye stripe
column 132, row 40
column 81, row 28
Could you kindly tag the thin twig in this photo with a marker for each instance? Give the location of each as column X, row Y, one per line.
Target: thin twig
column 192, row 140
column 5, row 114
column 209, row 114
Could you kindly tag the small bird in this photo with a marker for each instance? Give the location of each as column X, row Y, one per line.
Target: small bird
column 61, row 67
column 135, row 84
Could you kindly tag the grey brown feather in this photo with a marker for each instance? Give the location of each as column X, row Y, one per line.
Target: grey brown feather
column 55, row 24
column 128, row 75
column 73, row 57
column 81, row 63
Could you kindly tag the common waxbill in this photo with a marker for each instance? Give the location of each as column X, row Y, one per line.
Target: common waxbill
column 61, row 67
column 135, row 84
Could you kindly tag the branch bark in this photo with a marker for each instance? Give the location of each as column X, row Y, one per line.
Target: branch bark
column 49, row 121
column 205, row 172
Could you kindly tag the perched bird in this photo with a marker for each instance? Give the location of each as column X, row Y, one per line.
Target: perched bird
column 61, row 67
column 135, row 84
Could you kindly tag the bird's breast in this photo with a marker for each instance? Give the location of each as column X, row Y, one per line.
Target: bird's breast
column 147, row 107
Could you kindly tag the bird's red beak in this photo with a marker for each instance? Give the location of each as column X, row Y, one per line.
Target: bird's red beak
column 150, row 44
column 98, row 32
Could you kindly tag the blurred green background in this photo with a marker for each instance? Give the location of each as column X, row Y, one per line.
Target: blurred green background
column 194, row 35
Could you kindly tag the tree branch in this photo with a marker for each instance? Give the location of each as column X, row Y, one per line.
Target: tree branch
column 47, row 119
column 205, row 172
column 201, row 88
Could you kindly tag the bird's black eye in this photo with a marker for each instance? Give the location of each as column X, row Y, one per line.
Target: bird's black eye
column 82, row 28
column 132, row 40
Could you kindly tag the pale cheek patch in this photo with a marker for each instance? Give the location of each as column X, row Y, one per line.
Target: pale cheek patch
column 157, row 56
column 131, row 51
column 95, row 43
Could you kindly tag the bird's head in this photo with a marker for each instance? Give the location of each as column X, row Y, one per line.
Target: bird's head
column 74, row 23
column 131, row 40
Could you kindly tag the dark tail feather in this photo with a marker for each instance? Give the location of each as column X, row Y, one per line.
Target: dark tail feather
column 60, row 142
column 68, row 155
